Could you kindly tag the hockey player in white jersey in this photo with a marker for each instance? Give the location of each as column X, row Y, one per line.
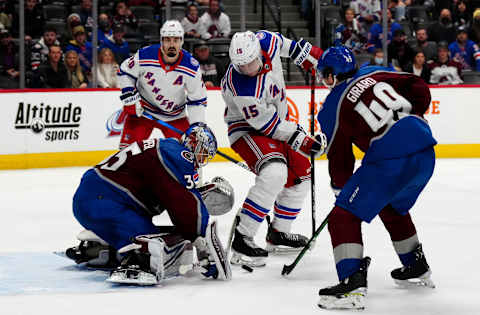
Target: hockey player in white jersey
column 276, row 149
column 163, row 82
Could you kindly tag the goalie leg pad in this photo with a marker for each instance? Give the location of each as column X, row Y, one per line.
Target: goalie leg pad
column 217, row 252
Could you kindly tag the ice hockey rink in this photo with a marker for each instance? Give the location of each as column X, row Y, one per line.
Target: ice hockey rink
column 36, row 220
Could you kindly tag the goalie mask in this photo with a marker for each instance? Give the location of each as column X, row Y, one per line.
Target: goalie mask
column 218, row 196
column 201, row 141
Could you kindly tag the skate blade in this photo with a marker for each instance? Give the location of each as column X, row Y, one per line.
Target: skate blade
column 143, row 279
column 354, row 300
column 240, row 259
column 281, row 249
column 422, row 281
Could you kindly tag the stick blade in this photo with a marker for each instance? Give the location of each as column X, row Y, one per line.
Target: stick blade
column 287, row 269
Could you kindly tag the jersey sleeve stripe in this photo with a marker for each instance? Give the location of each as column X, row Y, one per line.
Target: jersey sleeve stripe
column 260, row 85
column 269, row 126
column 239, row 126
column 121, row 73
column 199, row 102
column 230, row 82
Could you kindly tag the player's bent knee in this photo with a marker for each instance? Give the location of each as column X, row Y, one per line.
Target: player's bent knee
column 273, row 176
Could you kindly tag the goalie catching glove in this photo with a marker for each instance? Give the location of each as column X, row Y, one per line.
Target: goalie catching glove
column 306, row 55
column 218, row 196
column 304, row 144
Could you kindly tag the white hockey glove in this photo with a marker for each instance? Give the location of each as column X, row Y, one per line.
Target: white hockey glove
column 131, row 103
column 306, row 145
column 218, row 196
column 306, row 55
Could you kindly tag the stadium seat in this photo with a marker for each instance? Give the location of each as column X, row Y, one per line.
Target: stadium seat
column 54, row 12
column 150, row 30
column 143, row 13
column 219, row 46
column 417, row 14
column 471, row 77
column 59, row 26
column 178, row 12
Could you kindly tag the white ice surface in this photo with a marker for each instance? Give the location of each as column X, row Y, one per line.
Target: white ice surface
column 36, row 219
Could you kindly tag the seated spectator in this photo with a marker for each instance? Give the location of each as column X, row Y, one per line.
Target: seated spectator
column 429, row 48
column 191, row 22
column 445, row 71
column 107, row 69
column 202, row 2
column 117, row 44
column 212, row 68
column 86, row 16
column 82, row 47
column 34, row 21
column 398, row 9
column 443, row 29
column 39, row 49
column 368, row 12
column 377, row 60
column 474, row 33
column 350, row 33
column 72, row 21
column 419, row 67
column 53, row 73
column 399, row 51
column 375, row 33
column 104, row 28
column 76, row 77
column 123, row 15
column 465, row 51
column 216, row 23
column 9, row 74
column 461, row 16
column 5, row 17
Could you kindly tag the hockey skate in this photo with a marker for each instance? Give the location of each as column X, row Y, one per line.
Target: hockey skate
column 416, row 274
column 283, row 242
column 134, row 269
column 93, row 251
column 246, row 252
column 348, row 294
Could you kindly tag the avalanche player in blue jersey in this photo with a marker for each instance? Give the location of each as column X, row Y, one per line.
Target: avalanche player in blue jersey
column 381, row 112
column 117, row 199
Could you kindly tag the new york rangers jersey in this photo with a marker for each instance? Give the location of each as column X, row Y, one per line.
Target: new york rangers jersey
column 259, row 103
column 166, row 90
column 139, row 169
column 379, row 111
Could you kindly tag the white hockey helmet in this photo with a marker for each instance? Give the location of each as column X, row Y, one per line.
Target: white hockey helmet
column 171, row 28
column 244, row 48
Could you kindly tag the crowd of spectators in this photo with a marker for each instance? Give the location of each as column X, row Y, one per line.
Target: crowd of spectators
column 58, row 39
column 435, row 39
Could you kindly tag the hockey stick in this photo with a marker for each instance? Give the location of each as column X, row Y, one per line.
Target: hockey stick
column 312, row 155
column 288, row 268
column 225, row 156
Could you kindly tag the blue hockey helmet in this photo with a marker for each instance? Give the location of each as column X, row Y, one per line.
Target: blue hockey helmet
column 201, row 141
column 336, row 60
